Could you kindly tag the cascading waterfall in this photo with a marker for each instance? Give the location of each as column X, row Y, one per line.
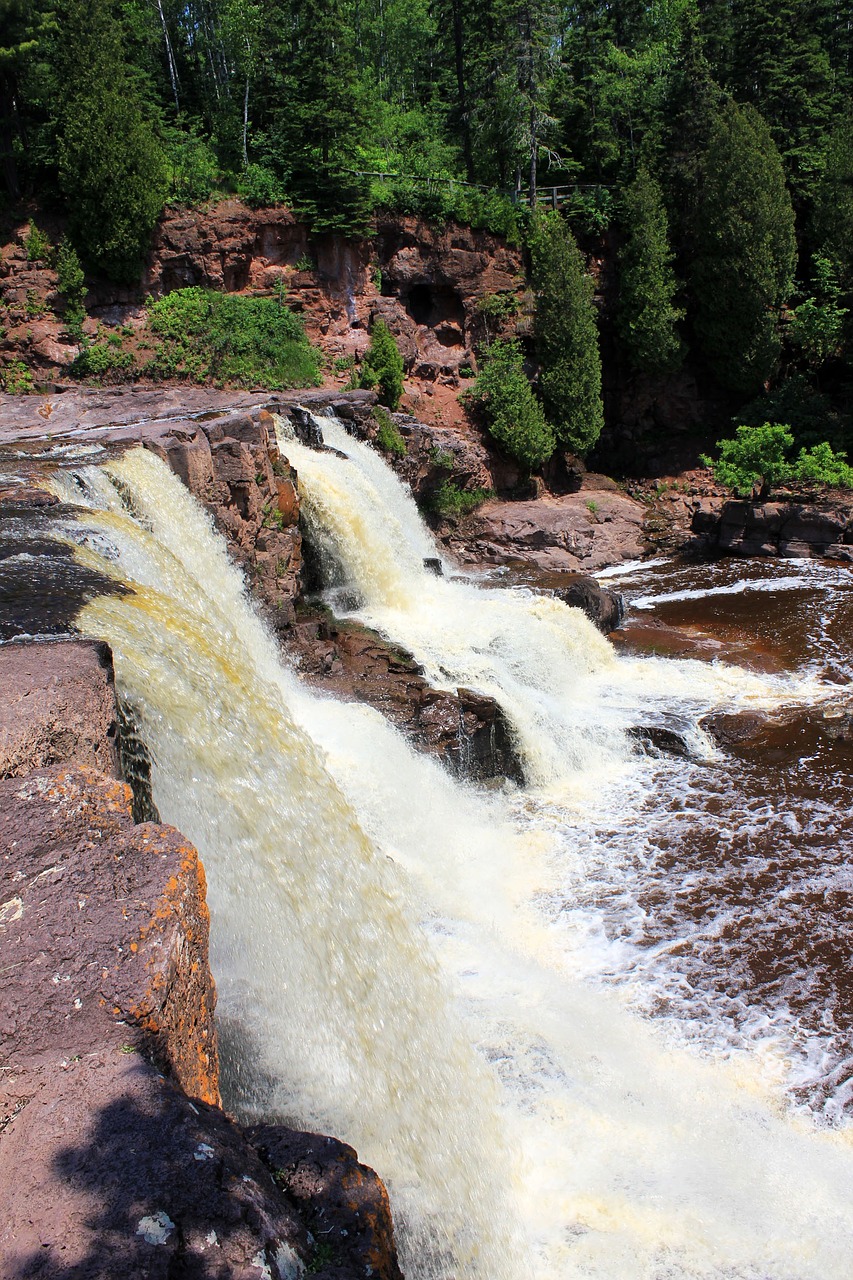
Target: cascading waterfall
column 377, row 933
column 557, row 678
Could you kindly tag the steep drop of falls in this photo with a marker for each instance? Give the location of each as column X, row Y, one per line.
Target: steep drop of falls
column 557, row 678
column 378, row 941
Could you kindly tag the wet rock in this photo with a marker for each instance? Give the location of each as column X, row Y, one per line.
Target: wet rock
column 343, row 1203
column 58, row 705
column 727, row 729
column 466, row 730
column 434, row 565
column 660, row 739
column 605, row 608
column 305, row 427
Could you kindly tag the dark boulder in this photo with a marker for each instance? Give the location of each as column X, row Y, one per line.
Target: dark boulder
column 605, row 608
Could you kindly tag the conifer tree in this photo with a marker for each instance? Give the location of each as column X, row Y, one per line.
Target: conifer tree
column 111, row 168
column 648, row 316
column 566, row 335
column 745, row 250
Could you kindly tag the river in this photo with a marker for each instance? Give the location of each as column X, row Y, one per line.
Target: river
column 595, row 1026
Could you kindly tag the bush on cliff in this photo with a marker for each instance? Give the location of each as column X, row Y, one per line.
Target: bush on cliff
column 382, row 367
column 206, row 336
column 756, row 459
column 512, row 411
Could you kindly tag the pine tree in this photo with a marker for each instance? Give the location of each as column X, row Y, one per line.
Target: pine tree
column 745, row 250
column 566, row 335
column 111, row 168
column 648, row 317
column 324, row 118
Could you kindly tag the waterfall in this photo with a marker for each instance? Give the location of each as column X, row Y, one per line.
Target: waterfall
column 385, row 968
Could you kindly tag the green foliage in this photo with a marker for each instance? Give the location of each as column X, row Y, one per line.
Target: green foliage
column 37, row 244
column 226, row 338
column 754, row 459
column 441, row 458
column 444, row 200
column 260, row 187
column 112, row 172
column 822, row 465
column 35, row 305
column 449, row 500
column 70, row 283
column 16, row 378
column 742, row 272
column 513, row 413
column 808, row 413
column 382, row 366
column 103, row 361
column 818, row 323
column 833, row 212
column 388, row 436
column 566, row 335
column 648, row 316
column 192, row 171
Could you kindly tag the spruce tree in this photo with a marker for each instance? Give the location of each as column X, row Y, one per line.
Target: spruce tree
column 566, row 335
column 648, row 316
column 745, row 251
column 111, row 167
column 324, row 119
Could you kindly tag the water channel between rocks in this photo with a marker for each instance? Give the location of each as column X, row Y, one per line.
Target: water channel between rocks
column 596, row 1026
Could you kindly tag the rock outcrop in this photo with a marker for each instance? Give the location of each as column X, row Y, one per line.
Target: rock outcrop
column 783, row 528
column 58, row 704
column 114, row 1157
column 467, row 731
column 582, row 531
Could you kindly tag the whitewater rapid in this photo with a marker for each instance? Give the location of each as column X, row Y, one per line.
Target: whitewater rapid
column 387, row 964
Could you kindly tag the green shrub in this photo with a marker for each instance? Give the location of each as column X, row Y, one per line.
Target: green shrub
column 101, row 360
column 35, row 304
column 822, row 465
column 513, row 413
column 227, row 338
column 442, row 458
column 449, row 500
column 382, row 367
column 443, row 200
column 388, row 437
column 796, row 402
column 70, row 285
column 191, row 168
column 260, row 187
column 754, row 459
column 17, row 378
column 37, row 244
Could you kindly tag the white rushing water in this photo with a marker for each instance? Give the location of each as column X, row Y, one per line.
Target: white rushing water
column 380, row 934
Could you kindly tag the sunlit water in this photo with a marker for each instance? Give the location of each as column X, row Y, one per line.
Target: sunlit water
column 459, row 984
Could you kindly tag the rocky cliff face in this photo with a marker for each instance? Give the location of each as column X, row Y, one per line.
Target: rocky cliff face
column 114, row 1157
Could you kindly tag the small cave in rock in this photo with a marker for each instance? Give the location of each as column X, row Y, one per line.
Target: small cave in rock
column 432, row 305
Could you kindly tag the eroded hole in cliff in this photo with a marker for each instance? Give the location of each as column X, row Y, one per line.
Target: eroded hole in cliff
column 434, row 305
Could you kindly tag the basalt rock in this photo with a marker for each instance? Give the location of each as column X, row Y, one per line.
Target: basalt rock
column 58, row 704
column 605, row 608
column 466, row 730
column 576, row 532
column 114, row 1157
column 789, row 529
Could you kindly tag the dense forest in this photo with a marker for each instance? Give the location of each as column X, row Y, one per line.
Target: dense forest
column 711, row 140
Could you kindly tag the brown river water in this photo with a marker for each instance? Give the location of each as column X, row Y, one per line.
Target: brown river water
column 728, row 905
